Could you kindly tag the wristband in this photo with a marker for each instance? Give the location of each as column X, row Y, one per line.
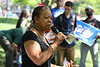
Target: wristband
column 52, row 47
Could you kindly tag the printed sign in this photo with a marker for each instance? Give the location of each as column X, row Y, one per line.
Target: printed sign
column 85, row 32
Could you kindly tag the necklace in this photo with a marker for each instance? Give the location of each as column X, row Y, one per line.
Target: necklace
column 38, row 33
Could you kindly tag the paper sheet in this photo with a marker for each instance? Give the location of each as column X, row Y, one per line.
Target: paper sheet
column 70, row 38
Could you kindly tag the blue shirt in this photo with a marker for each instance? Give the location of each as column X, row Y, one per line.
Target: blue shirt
column 56, row 12
column 66, row 26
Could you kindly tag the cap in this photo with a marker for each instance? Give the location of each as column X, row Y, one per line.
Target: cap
column 90, row 7
column 41, row 5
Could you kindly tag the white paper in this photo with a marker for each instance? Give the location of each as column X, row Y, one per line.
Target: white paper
column 70, row 38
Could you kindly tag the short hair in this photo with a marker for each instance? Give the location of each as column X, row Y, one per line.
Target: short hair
column 59, row 0
column 37, row 11
column 69, row 3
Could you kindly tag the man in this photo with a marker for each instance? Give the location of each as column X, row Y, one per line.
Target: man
column 10, row 40
column 55, row 13
column 65, row 24
column 94, row 48
column 58, row 9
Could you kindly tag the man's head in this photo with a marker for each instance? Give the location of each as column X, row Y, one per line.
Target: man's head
column 59, row 3
column 68, row 7
column 89, row 11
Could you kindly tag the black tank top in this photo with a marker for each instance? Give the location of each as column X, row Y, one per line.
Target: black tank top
column 26, row 61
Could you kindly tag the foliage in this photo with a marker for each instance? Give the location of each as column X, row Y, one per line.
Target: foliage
column 75, row 7
column 9, row 20
column 33, row 3
column 84, row 3
column 50, row 3
column 23, row 3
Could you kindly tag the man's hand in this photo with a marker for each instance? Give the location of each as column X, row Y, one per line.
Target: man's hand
column 77, row 39
column 97, row 37
column 70, row 64
column 15, row 50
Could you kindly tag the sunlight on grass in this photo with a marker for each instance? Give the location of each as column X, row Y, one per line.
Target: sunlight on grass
column 88, row 62
column 2, row 55
column 5, row 26
column 77, row 56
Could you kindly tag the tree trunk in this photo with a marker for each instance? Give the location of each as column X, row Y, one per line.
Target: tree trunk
column 46, row 2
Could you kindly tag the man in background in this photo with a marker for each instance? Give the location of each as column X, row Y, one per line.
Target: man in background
column 65, row 24
column 94, row 48
column 10, row 40
column 59, row 9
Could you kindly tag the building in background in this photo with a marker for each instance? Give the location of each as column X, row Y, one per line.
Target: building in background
column 9, row 6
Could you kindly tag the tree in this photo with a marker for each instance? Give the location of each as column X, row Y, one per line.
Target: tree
column 23, row 3
column 34, row 3
column 50, row 3
column 84, row 3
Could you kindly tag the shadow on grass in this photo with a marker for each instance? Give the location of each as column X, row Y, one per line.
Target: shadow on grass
column 2, row 57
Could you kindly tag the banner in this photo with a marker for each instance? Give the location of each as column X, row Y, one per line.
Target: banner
column 85, row 32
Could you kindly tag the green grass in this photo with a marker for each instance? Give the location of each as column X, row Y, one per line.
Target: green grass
column 89, row 58
column 5, row 26
column 11, row 25
column 9, row 20
column 2, row 55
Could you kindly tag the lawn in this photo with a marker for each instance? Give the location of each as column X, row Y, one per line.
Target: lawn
column 4, row 26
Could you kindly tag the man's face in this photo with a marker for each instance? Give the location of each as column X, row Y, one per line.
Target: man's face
column 67, row 9
column 89, row 12
column 59, row 2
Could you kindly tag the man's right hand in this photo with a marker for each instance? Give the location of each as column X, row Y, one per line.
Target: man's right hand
column 70, row 64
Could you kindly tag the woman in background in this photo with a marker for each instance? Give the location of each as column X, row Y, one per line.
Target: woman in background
column 22, row 21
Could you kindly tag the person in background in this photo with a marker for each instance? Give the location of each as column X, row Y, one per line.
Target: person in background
column 94, row 48
column 22, row 21
column 24, row 25
column 10, row 40
column 65, row 24
column 59, row 9
column 55, row 12
column 36, row 51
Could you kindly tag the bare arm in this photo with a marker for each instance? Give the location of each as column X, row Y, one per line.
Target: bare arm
column 34, row 52
column 15, row 51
